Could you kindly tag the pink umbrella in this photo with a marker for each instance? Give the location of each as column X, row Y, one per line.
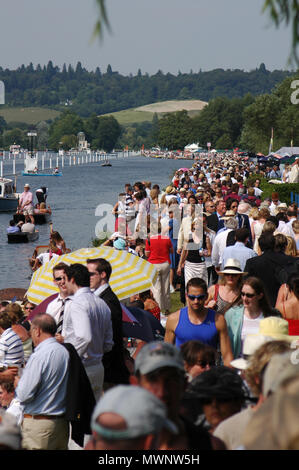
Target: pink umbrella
column 127, row 316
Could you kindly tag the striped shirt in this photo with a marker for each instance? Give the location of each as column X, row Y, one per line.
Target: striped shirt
column 11, row 349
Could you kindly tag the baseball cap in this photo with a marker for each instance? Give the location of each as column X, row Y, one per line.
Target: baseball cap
column 10, row 432
column 157, row 354
column 142, row 411
column 119, row 244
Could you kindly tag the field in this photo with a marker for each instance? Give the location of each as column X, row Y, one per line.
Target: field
column 28, row 115
column 145, row 113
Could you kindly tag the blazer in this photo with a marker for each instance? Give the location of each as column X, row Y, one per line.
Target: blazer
column 214, row 223
column 80, row 400
column 113, row 361
column 264, row 267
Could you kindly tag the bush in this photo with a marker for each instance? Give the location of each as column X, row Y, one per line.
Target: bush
column 284, row 189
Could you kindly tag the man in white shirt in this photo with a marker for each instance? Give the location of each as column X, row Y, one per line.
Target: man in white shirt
column 28, row 227
column 62, row 302
column 87, row 325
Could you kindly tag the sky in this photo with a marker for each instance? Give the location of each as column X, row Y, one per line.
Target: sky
column 151, row 35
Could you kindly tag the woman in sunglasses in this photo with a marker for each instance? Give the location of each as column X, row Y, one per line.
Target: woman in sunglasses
column 198, row 357
column 243, row 319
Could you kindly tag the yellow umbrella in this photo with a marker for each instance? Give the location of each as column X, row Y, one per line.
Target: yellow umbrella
column 130, row 274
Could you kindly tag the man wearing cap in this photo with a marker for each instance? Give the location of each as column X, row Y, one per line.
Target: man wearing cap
column 25, row 203
column 197, row 322
column 128, row 418
column 159, row 368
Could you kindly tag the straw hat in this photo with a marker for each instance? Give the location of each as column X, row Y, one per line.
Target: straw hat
column 170, row 190
column 228, row 215
column 232, row 266
column 276, row 328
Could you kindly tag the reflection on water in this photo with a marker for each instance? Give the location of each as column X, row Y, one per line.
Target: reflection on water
column 73, row 199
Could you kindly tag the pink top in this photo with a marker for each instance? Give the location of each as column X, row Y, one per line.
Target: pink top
column 26, row 199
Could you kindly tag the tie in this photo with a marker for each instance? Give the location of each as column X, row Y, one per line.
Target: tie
column 60, row 320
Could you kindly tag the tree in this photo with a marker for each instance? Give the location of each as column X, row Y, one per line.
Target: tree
column 107, row 133
column 175, row 130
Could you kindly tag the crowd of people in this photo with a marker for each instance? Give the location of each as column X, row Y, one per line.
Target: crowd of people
column 224, row 376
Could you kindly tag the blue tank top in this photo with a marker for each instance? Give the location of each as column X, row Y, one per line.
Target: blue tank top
column 205, row 332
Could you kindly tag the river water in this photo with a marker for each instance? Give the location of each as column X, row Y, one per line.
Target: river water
column 74, row 198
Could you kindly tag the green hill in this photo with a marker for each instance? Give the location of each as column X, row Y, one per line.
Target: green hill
column 30, row 115
column 145, row 113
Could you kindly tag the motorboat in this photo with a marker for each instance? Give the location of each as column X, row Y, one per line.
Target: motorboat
column 22, row 237
column 8, row 198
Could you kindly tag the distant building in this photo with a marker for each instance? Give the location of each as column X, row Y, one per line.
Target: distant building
column 83, row 145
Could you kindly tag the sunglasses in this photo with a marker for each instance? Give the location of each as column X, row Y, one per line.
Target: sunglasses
column 29, row 308
column 245, row 294
column 199, row 297
column 58, row 279
column 204, row 364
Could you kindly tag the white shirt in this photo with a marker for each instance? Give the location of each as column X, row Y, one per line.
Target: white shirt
column 218, row 247
column 87, row 326
column 45, row 257
column 28, row 227
column 54, row 308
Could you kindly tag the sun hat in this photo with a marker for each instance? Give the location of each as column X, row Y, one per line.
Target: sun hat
column 250, row 345
column 157, row 354
column 232, row 266
column 26, row 185
column 279, row 368
column 228, row 215
column 170, row 190
column 277, row 328
column 119, row 244
column 279, row 416
column 10, row 432
column 141, row 410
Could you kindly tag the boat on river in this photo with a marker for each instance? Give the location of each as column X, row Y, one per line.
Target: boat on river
column 106, row 163
column 8, row 198
column 31, row 168
column 22, row 237
column 39, row 219
column 41, row 174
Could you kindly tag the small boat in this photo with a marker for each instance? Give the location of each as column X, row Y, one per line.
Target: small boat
column 107, row 163
column 22, row 237
column 40, row 174
column 39, row 219
column 8, row 198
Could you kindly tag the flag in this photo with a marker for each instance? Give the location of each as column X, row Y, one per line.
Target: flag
column 271, row 142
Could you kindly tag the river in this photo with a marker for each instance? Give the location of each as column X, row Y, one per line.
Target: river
column 74, row 198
